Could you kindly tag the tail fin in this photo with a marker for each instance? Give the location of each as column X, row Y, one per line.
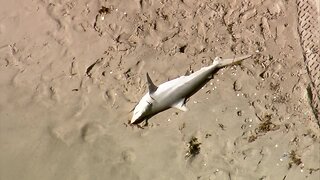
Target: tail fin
column 225, row 62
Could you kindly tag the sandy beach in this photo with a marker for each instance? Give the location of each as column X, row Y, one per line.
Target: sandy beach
column 71, row 72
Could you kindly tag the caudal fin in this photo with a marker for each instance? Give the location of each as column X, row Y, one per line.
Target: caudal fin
column 225, row 62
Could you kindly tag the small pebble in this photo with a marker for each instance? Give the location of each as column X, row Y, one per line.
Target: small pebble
column 237, row 86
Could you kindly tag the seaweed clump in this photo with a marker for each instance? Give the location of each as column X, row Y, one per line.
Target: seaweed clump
column 266, row 125
column 193, row 147
column 295, row 159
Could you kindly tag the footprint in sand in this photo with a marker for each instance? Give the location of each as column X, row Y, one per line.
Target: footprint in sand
column 90, row 132
column 75, row 131
column 67, row 133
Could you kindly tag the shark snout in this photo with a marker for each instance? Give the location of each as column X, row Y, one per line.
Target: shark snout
column 142, row 109
column 135, row 118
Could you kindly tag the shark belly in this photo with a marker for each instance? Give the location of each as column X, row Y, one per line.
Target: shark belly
column 176, row 90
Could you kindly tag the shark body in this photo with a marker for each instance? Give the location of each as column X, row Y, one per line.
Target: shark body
column 174, row 93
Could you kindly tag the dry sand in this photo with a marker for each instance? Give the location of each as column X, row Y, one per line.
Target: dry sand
column 71, row 71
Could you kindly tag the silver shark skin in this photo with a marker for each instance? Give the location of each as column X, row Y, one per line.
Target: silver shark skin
column 174, row 93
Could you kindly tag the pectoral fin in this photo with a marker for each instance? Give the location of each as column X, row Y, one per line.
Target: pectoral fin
column 181, row 105
column 152, row 88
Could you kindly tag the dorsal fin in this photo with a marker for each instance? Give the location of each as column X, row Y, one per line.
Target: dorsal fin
column 152, row 88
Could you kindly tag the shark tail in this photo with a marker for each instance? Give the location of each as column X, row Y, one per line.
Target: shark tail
column 235, row 60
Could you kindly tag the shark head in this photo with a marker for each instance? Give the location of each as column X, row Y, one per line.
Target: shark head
column 142, row 109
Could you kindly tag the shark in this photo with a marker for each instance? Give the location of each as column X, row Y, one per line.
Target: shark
column 176, row 92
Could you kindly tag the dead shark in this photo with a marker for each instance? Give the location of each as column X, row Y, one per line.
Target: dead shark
column 174, row 93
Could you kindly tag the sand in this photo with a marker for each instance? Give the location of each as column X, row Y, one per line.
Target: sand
column 71, row 71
